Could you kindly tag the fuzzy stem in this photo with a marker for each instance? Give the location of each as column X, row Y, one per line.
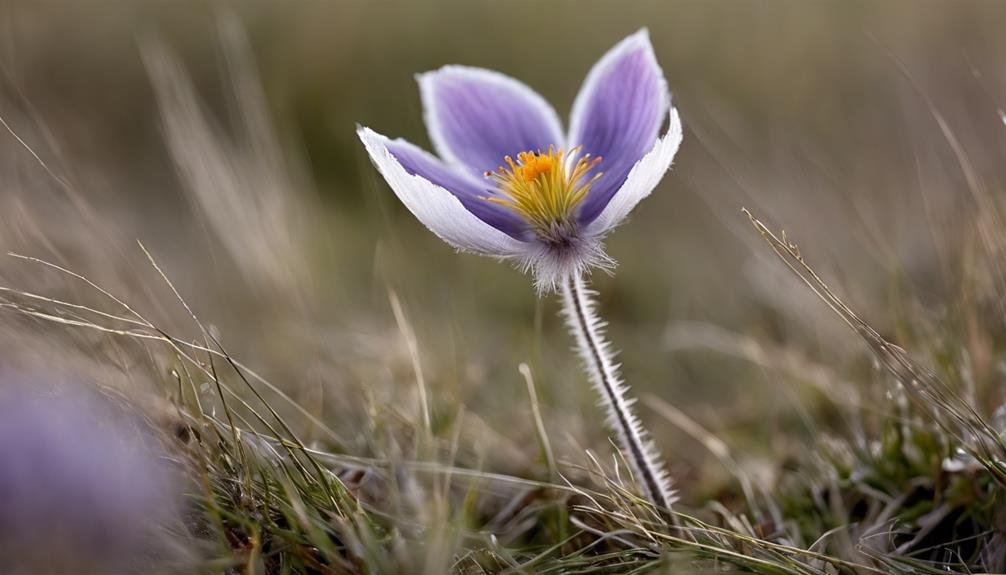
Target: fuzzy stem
column 587, row 329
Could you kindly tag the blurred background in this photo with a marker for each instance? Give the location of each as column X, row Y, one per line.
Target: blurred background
column 222, row 137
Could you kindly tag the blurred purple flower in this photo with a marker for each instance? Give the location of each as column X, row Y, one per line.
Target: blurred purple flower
column 82, row 486
column 511, row 185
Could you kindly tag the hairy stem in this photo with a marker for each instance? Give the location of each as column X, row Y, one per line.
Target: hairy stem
column 587, row 329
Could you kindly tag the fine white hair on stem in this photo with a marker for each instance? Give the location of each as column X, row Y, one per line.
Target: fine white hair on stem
column 597, row 354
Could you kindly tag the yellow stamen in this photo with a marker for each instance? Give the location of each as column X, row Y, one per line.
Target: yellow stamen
column 544, row 187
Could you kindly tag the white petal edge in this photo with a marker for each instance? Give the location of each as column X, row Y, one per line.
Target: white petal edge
column 640, row 37
column 643, row 177
column 426, row 80
column 437, row 209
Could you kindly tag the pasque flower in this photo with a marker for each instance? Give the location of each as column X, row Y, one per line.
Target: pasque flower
column 510, row 184
column 84, row 486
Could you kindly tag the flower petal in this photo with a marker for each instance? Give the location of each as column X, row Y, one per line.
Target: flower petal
column 617, row 115
column 470, row 192
column 643, row 177
column 476, row 117
column 437, row 208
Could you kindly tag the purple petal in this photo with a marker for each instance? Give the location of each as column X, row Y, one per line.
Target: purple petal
column 468, row 190
column 617, row 115
column 477, row 117
column 438, row 209
column 83, row 485
column 643, row 177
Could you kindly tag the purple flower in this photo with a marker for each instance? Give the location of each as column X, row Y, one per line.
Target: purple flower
column 509, row 184
column 83, row 487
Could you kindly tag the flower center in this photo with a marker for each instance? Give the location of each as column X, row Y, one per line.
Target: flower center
column 545, row 187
